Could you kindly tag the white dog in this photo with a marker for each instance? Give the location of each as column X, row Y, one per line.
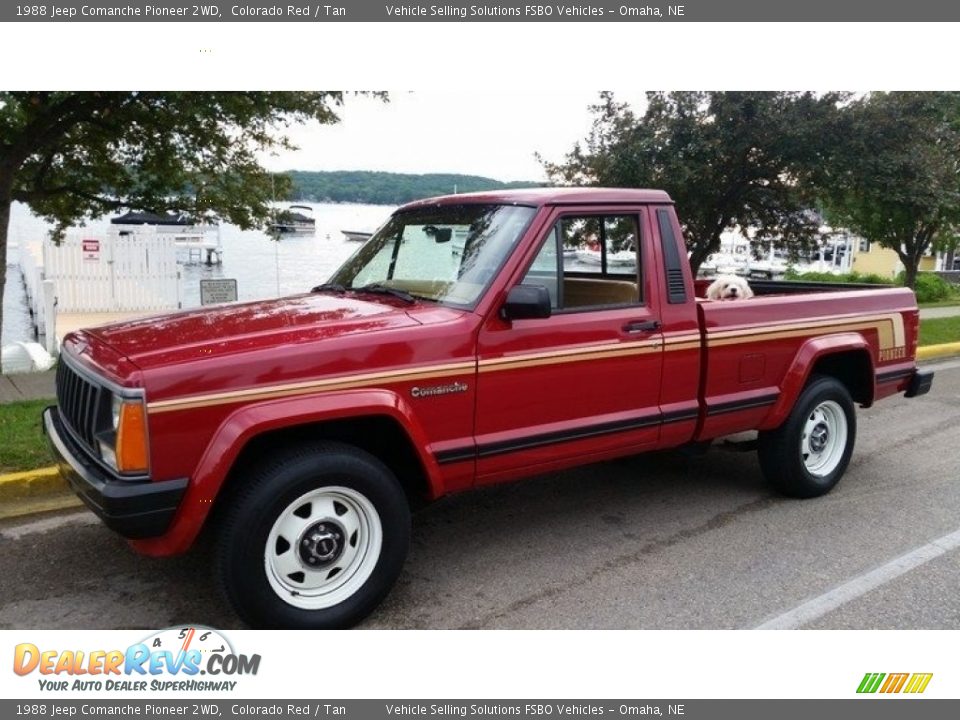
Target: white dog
column 729, row 287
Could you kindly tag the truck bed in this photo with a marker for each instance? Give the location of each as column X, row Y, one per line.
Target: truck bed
column 755, row 350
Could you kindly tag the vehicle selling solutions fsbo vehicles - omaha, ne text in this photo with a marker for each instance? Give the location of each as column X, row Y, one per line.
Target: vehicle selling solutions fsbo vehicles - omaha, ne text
column 460, row 346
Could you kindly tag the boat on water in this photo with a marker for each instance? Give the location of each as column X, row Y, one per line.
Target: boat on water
column 770, row 269
column 194, row 243
column 722, row 263
column 169, row 219
column 357, row 235
column 743, row 265
column 295, row 219
column 623, row 258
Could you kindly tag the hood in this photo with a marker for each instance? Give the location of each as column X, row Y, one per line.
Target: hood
column 226, row 329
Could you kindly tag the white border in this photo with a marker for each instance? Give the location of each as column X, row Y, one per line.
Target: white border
column 365, row 56
column 556, row 56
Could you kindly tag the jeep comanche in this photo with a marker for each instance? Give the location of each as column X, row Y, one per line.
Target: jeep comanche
column 474, row 339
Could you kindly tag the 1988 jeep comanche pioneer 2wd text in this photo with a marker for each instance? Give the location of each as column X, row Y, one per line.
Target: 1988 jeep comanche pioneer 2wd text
column 457, row 348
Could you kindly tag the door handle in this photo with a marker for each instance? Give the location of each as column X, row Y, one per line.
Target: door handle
column 641, row 326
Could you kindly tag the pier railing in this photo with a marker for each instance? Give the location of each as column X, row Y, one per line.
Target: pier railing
column 110, row 273
column 98, row 273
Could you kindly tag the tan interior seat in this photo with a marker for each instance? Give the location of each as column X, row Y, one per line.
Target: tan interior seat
column 585, row 292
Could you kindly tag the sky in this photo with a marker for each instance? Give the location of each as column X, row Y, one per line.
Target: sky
column 477, row 132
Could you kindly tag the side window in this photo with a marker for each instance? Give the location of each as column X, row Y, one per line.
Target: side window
column 600, row 263
column 546, row 269
column 620, row 240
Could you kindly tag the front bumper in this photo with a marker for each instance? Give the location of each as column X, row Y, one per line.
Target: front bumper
column 920, row 383
column 135, row 509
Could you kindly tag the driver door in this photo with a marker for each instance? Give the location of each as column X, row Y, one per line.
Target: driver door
column 584, row 383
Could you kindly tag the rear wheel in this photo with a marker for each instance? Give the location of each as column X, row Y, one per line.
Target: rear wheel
column 807, row 455
column 316, row 539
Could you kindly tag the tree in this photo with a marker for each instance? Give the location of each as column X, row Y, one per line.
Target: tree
column 727, row 159
column 895, row 177
column 76, row 155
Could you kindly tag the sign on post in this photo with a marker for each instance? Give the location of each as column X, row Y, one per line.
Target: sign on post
column 220, row 290
column 91, row 250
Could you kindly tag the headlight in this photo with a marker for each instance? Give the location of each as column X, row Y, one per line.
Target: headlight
column 115, row 407
column 125, row 448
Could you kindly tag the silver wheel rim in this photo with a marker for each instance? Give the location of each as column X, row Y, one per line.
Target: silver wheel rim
column 323, row 547
column 824, row 438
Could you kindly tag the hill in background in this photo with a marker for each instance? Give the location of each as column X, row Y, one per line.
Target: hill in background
column 383, row 188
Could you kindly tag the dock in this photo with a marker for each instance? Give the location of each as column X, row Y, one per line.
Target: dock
column 67, row 323
column 87, row 281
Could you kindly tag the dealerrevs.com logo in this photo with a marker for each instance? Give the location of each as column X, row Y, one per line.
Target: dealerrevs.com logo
column 894, row 683
column 171, row 659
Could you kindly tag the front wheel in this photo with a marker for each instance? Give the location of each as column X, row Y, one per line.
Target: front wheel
column 316, row 539
column 807, row 455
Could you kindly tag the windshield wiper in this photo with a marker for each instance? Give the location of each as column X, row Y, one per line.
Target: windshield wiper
column 381, row 289
column 329, row 287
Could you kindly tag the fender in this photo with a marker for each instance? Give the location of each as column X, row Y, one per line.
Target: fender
column 249, row 421
column 803, row 362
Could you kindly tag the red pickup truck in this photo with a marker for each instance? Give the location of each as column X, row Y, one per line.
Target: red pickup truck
column 474, row 339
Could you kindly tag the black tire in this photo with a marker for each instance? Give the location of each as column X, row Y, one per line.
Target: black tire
column 787, row 456
column 349, row 493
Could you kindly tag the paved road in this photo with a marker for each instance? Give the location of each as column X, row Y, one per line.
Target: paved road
column 662, row 541
column 939, row 312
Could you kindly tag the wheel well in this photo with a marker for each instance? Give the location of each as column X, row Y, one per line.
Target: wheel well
column 379, row 435
column 853, row 369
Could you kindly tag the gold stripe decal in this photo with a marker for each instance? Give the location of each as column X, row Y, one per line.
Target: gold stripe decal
column 313, row 386
column 568, row 355
column 889, row 329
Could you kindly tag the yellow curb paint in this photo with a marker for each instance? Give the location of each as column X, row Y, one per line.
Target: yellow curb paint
column 31, row 484
column 35, row 491
column 27, row 474
column 33, row 506
column 927, row 352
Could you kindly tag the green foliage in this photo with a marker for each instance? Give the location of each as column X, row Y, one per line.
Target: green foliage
column 76, row 155
column 24, row 446
column 935, row 331
column 727, row 159
column 383, row 188
column 850, row 277
column 931, row 288
column 892, row 177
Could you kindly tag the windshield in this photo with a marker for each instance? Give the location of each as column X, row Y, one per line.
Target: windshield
column 445, row 253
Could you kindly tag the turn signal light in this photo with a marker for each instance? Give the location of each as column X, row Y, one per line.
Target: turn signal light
column 131, row 447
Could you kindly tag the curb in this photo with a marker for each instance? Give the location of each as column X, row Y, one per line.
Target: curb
column 927, row 352
column 29, row 484
column 33, row 491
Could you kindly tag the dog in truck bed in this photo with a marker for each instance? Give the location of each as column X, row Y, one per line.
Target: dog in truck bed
column 729, row 287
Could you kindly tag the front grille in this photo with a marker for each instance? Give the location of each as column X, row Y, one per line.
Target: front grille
column 79, row 402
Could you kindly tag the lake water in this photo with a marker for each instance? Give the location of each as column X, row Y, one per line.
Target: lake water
column 250, row 256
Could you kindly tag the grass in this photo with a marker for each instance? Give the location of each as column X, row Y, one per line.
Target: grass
column 935, row 331
column 22, row 444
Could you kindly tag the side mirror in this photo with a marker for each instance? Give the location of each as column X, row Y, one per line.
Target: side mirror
column 525, row 302
column 439, row 235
